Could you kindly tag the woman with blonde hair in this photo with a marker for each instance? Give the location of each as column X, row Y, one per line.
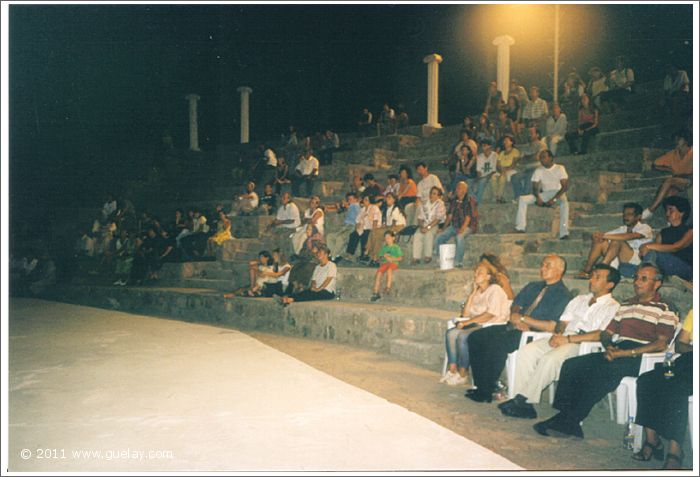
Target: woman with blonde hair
column 487, row 305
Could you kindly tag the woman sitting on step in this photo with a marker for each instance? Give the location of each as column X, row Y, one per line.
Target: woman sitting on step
column 487, row 305
column 222, row 235
column 259, row 272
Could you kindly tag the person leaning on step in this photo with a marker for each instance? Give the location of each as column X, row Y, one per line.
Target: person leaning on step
column 538, row 363
column 679, row 162
column 662, row 403
column 549, row 185
column 537, row 307
column 620, row 247
column 488, row 304
column 644, row 324
column 323, row 281
column 672, row 250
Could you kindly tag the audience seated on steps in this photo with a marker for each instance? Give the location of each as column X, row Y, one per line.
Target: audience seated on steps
column 555, row 128
column 485, row 129
column 389, row 257
column 246, row 203
column 373, row 189
column 259, row 273
column 538, row 363
column 462, row 220
column 287, row 217
column 268, row 202
column 526, row 165
column 337, row 240
column 408, row 189
column 186, row 227
column 392, row 185
column 394, row 220
column 306, row 173
column 570, row 94
column 514, row 111
column 597, row 84
column 426, row 182
column 313, row 215
column 387, row 120
column 620, row 84
column 662, row 403
column 620, row 247
column 672, row 250
column 488, row 304
column 364, row 125
column 644, row 324
column 323, row 281
column 507, row 160
column 676, row 102
column 124, row 257
column 223, row 233
column 194, row 245
column 463, row 165
column 431, row 213
column 329, row 144
column 537, row 307
column 535, row 111
column 549, row 185
column 357, row 185
column 282, row 181
column 486, row 168
column 679, row 162
column 370, row 217
column 494, row 100
column 587, row 126
column 502, row 127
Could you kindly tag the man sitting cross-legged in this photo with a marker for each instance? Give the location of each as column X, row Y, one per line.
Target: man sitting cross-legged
column 538, row 307
column 620, row 247
column 644, row 324
column 539, row 362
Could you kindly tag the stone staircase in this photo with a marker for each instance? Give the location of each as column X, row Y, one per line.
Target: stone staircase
column 410, row 323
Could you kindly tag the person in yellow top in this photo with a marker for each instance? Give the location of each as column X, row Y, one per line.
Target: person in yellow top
column 507, row 159
column 679, row 162
column 222, row 235
column 662, row 403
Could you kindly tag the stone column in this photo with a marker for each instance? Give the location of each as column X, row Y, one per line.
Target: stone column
column 432, row 61
column 503, row 43
column 194, row 138
column 245, row 113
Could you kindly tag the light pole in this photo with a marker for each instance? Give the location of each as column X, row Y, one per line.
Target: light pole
column 556, row 53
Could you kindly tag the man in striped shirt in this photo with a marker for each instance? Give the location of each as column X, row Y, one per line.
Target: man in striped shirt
column 644, row 324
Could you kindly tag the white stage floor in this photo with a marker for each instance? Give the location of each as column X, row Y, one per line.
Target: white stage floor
column 99, row 390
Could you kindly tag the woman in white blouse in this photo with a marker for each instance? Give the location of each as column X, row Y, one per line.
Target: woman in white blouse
column 370, row 217
column 315, row 216
column 430, row 214
column 394, row 220
column 487, row 305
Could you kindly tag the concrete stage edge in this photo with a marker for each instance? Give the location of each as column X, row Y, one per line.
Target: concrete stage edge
column 99, row 390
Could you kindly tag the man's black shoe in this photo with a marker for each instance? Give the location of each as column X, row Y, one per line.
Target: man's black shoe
column 559, row 426
column 480, row 396
column 471, row 391
column 507, row 404
column 524, row 411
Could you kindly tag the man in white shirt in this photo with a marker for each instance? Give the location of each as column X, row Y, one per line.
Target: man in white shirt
column 549, row 184
column 287, row 214
column 620, row 247
column 555, row 128
column 246, row 203
column 426, row 183
column 306, row 173
column 486, row 166
column 538, row 363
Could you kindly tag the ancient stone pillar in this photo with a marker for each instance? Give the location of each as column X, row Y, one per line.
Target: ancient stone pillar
column 432, row 61
column 245, row 113
column 194, row 138
column 503, row 43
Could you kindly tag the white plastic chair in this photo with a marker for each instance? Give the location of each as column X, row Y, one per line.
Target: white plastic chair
column 511, row 361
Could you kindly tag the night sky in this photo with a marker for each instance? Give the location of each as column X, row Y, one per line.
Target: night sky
column 85, row 79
